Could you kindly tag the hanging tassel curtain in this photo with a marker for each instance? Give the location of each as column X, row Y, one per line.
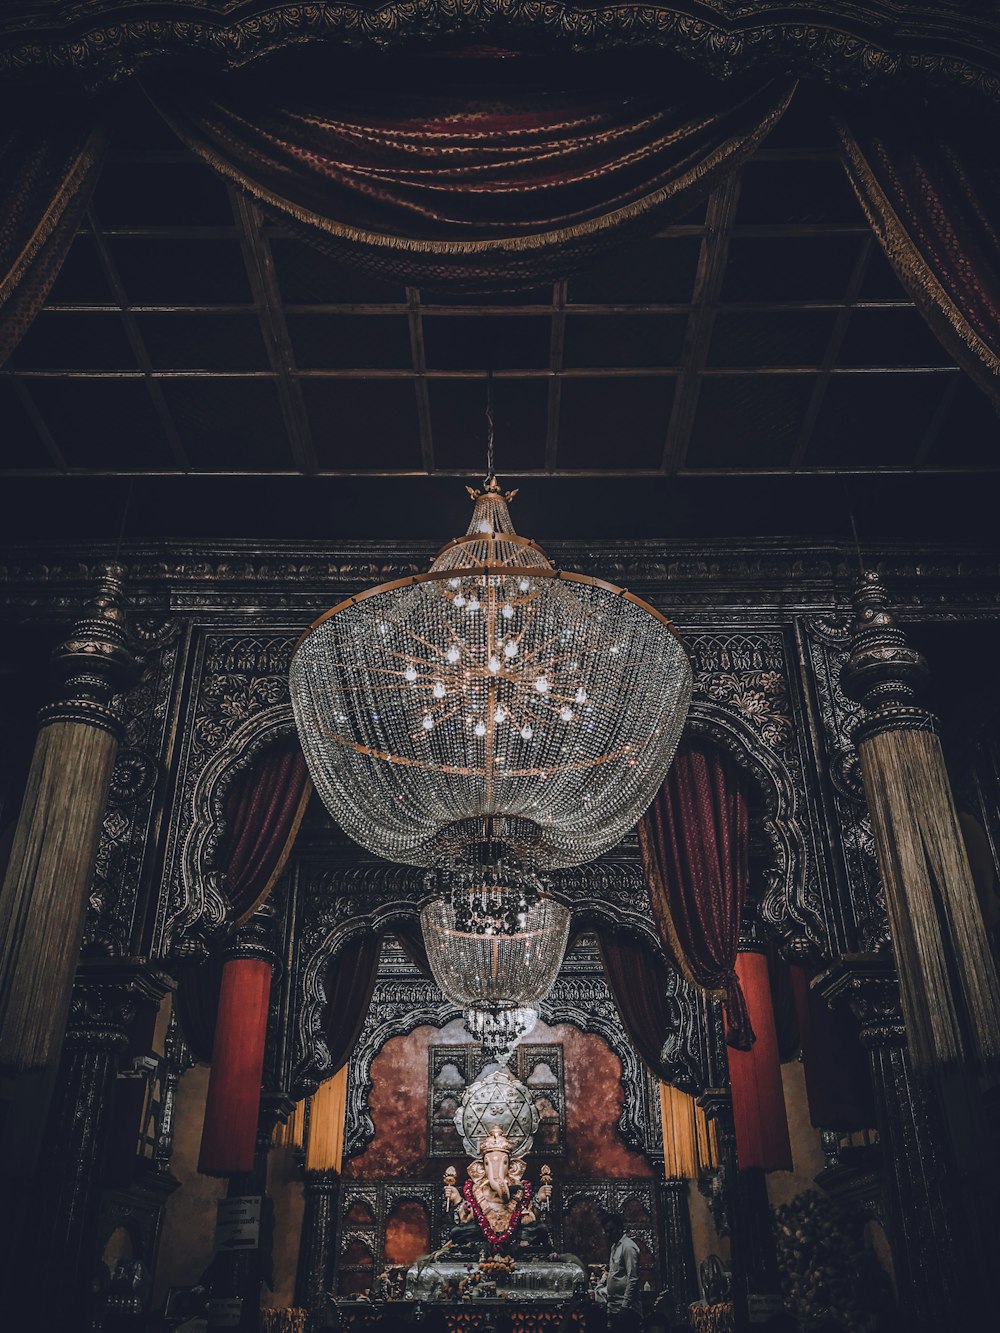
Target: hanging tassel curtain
column 263, row 816
column 694, row 841
column 43, row 901
column 495, row 188
column 759, row 1116
column 50, row 158
column 948, row 984
column 929, row 183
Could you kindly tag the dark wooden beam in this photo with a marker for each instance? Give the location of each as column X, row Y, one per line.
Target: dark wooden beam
column 267, row 298
column 41, row 428
column 712, row 259
column 136, row 342
column 557, row 343
column 833, row 346
column 418, row 356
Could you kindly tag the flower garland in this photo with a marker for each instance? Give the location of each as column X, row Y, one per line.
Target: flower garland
column 495, row 1239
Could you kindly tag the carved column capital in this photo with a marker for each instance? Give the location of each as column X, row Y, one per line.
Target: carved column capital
column 256, row 938
column 883, row 673
column 107, row 993
column 868, row 985
column 95, row 661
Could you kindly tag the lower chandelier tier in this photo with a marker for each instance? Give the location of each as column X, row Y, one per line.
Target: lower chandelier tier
column 498, row 978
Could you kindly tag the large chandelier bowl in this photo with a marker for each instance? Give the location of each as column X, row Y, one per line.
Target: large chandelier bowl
column 493, row 692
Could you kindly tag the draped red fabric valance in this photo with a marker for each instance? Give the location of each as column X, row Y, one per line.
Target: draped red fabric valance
column 492, row 188
column 695, row 846
column 929, row 182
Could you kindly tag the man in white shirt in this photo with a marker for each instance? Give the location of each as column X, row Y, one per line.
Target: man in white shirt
column 620, row 1288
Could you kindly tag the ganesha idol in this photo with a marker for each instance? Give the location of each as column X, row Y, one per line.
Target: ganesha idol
column 496, row 1204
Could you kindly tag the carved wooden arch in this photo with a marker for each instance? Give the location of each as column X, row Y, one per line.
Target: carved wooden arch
column 790, row 907
column 203, row 904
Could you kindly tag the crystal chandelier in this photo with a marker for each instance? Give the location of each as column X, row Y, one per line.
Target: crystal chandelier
column 496, row 979
column 488, row 899
column 494, row 699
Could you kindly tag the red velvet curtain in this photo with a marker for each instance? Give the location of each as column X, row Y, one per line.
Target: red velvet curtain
column 694, row 840
column 928, row 177
column 50, row 158
column 838, row 1085
column 350, row 981
column 637, row 979
column 759, row 1116
column 264, row 810
column 263, row 813
column 494, row 188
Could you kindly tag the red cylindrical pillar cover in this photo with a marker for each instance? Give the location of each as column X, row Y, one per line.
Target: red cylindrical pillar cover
column 755, row 1076
column 229, row 1137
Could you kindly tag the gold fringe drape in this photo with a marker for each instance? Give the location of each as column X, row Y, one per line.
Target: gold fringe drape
column 937, row 926
column 291, row 1132
column 43, row 902
column 325, row 1146
column 690, row 1139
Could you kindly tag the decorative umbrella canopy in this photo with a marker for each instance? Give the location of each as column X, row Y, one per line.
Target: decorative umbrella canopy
column 494, row 699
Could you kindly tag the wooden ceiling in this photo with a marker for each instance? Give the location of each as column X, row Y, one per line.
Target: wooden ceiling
column 764, row 337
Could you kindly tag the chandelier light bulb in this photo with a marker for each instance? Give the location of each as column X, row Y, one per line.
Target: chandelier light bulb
column 581, row 696
column 494, row 664
column 439, row 690
column 542, row 685
column 510, row 649
column 428, row 722
column 480, row 728
column 453, row 654
column 473, row 603
column 459, row 600
column 507, row 611
column 410, row 674
column 526, row 733
column 566, row 714
column 500, row 716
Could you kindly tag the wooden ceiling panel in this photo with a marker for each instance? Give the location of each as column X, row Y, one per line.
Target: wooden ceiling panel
column 229, row 425
column 363, row 425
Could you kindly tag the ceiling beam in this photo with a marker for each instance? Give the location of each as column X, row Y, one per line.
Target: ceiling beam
column 557, row 345
column 267, row 298
column 712, row 259
column 137, row 342
column 418, row 358
column 833, row 346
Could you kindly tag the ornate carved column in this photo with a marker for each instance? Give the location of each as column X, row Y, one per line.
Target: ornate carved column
column 318, row 1246
column 61, row 1238
column 44, row 896
column 928, row 1271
